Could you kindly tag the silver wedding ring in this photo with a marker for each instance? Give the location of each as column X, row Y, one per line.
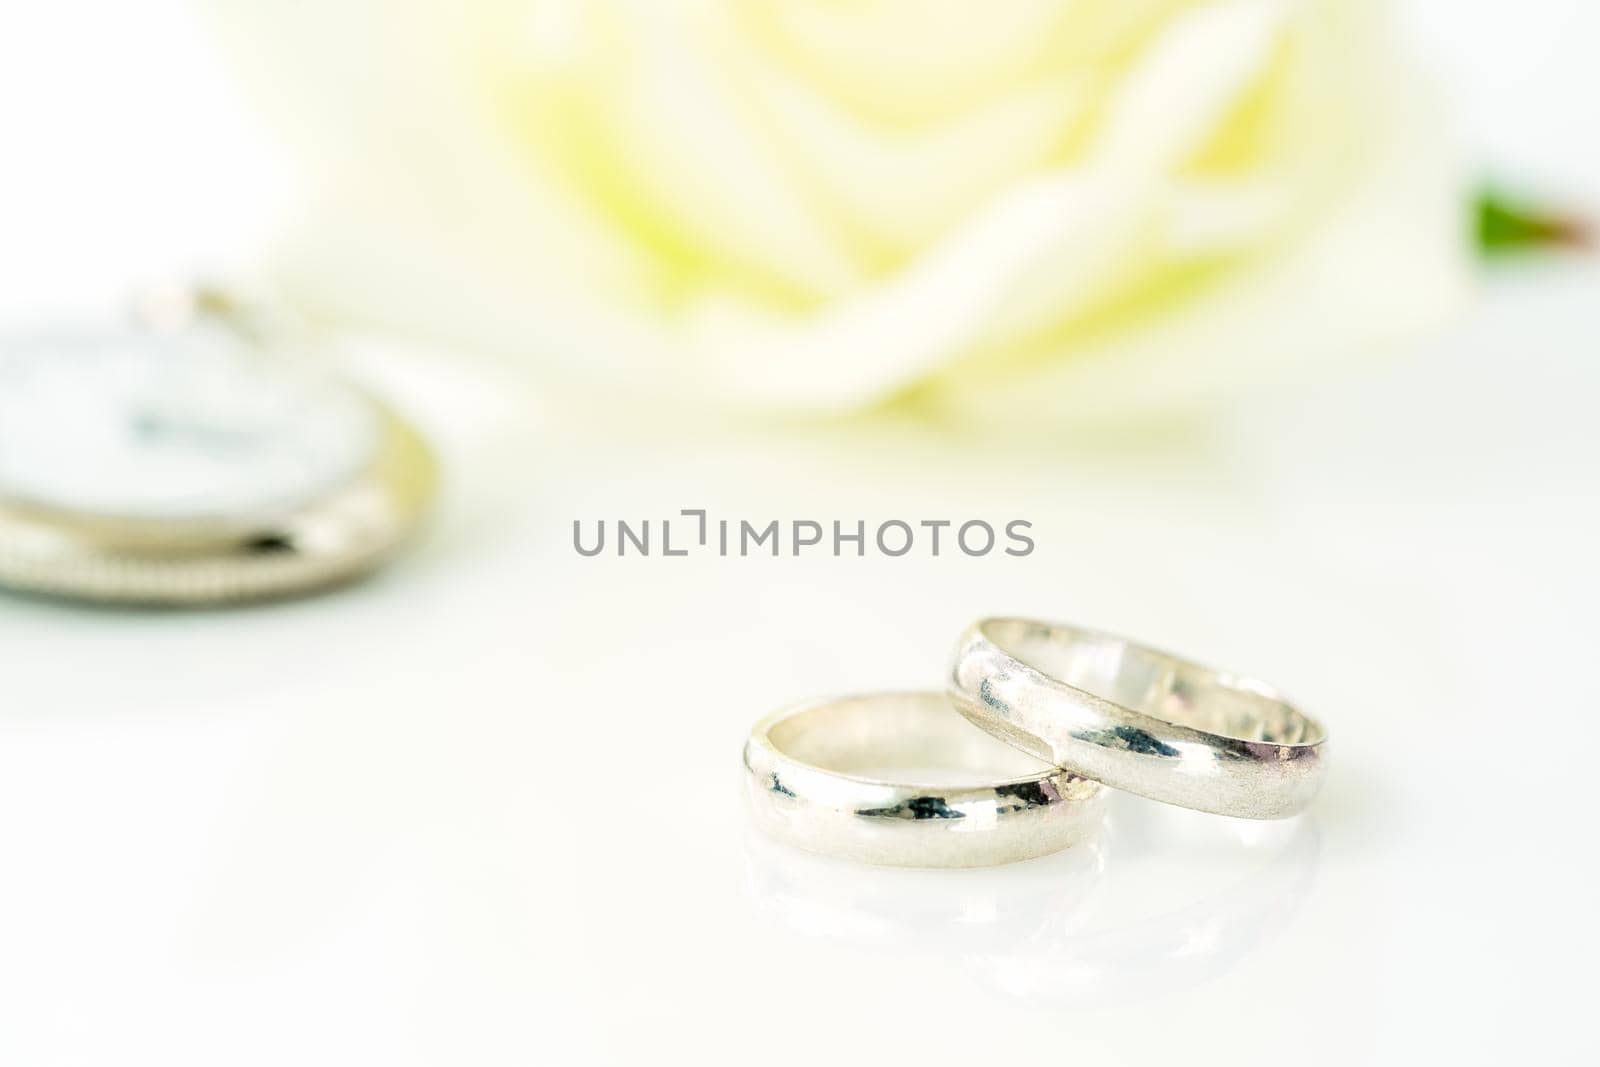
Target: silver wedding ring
column 1139, row 719
column 1009, row 763
column 901, row 779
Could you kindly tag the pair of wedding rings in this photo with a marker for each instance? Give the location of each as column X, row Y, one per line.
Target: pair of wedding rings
column 901, row 779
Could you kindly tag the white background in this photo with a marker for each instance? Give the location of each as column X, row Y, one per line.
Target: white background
column 484, row 809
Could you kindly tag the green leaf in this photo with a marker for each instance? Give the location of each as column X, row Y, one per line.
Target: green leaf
column 1507, row 227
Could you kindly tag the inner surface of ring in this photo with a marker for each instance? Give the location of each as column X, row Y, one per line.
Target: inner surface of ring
column 911, row 738
column 1154, row 683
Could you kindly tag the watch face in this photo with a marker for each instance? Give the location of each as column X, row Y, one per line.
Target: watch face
column 190, row 425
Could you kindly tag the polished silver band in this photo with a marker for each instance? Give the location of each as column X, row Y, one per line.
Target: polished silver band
column 1138, row 719
column 900, row 779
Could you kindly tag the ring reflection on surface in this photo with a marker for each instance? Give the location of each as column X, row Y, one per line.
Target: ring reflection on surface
column 1120, row 918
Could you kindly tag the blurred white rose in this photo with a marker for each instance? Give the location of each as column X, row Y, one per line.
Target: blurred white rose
column 1014, row 210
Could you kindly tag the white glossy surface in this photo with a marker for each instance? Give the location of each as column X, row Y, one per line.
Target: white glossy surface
column 486, row 808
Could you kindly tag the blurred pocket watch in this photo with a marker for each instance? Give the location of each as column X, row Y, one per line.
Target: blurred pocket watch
column 191, row 459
